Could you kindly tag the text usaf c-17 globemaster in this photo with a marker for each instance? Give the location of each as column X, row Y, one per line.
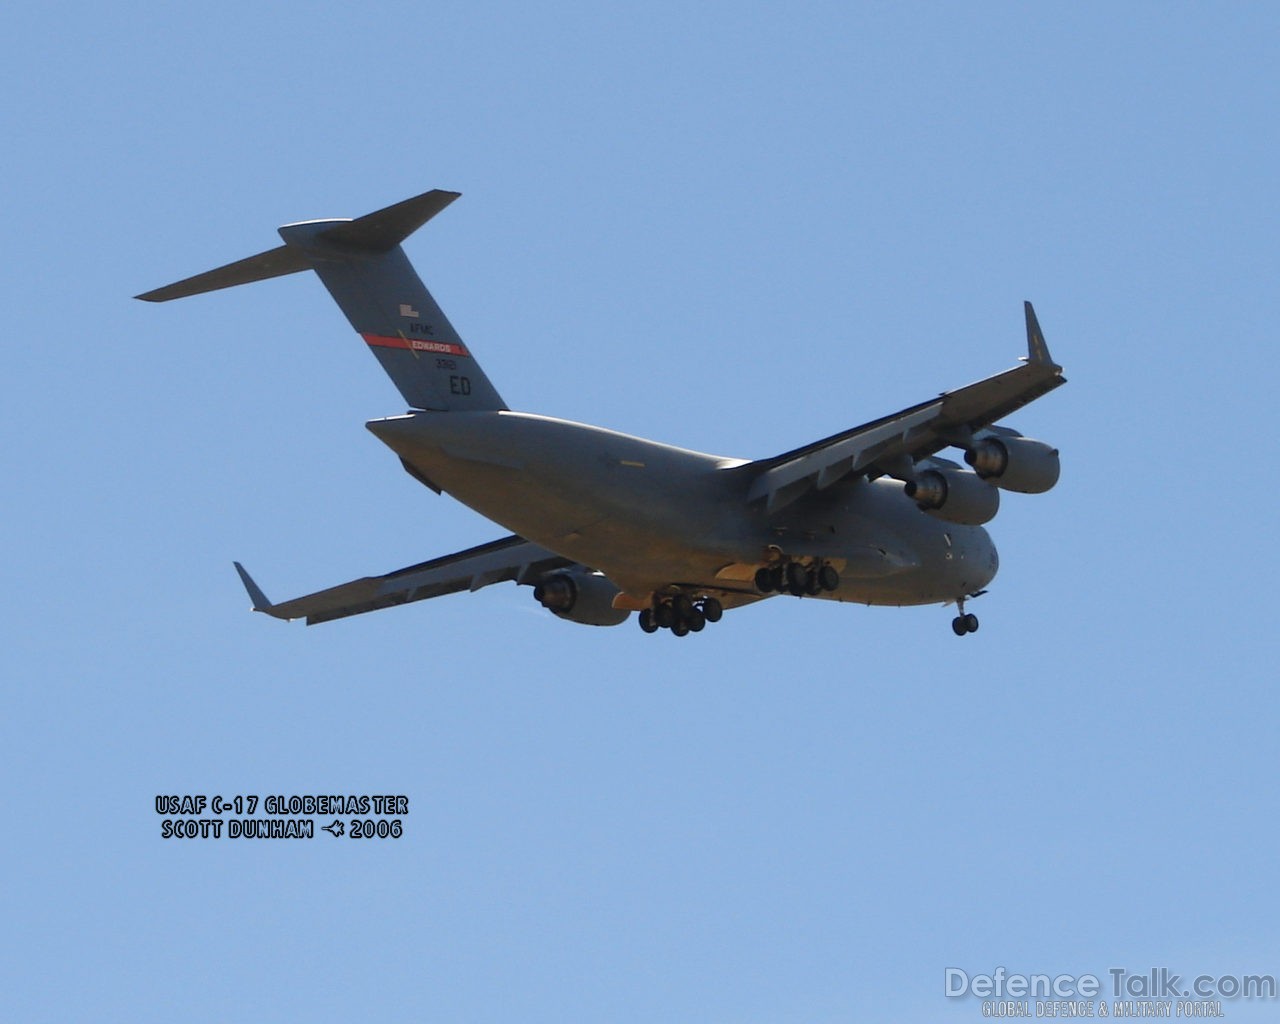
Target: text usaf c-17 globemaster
column 605, row 524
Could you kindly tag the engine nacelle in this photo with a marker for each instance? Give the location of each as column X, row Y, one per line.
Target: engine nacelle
column 580, row 596
column 1015, row 463
column 955, row 495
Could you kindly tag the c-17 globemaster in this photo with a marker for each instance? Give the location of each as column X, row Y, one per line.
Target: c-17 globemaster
column 604, row 524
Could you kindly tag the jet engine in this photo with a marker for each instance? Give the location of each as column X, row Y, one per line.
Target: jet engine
column 955, row 495
column 1014, row 463
column 580, row 596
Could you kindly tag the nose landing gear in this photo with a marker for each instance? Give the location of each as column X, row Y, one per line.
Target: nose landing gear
column 964, row 623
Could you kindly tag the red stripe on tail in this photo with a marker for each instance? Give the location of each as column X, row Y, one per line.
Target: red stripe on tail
column 417, row 345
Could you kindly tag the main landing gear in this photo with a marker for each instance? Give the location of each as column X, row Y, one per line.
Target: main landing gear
column 681, row 614
column 797, row 579
column 964, row 623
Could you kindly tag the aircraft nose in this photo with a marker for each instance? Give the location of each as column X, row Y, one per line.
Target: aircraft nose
column 978, row 562
column 993, row 563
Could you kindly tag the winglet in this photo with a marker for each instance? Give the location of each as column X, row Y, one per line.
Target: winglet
column 1037, row 349
column 260, row 602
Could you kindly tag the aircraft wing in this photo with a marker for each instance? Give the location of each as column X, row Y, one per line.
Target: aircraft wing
column 511, row 558
column 882, row 445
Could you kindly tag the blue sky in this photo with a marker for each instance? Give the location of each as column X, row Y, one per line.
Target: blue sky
column 736, row 228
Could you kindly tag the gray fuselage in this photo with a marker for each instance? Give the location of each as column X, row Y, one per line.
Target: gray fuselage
column 650, row 515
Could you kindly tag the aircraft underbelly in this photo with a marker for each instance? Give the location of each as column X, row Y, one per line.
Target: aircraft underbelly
column 647, row 514
column 602, row 498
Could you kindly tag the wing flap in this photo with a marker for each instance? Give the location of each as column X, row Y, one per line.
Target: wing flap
column 914, row 433
column 840, row 456
column 511, row 558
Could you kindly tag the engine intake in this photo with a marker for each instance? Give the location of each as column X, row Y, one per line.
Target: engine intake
column 1015, row 463
column 955, row 495
column 580, row 596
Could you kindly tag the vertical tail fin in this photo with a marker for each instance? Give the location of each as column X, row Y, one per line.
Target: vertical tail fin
column 362, row 264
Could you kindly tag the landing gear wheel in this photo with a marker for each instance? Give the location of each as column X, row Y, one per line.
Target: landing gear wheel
column 778, row 577
column 646, row 621
column 680, row 628
column 796, row 577
column 958, row 626
column 828, row 578
column 712, row 609
column 764, row 581
column 971, row 623
column 696, row 621
column 681, row 605
column 812, row 586
column 664, row 616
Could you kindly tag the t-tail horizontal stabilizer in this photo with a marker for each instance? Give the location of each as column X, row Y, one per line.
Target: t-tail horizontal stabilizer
column 375, row 232
column 369, row 276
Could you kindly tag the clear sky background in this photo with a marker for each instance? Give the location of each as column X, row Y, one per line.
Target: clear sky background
column 732, row 227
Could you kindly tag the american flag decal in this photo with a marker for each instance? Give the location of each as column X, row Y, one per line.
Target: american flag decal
column 407, row 310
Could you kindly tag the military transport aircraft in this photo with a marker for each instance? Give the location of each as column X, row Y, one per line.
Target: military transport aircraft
column 605, row 524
